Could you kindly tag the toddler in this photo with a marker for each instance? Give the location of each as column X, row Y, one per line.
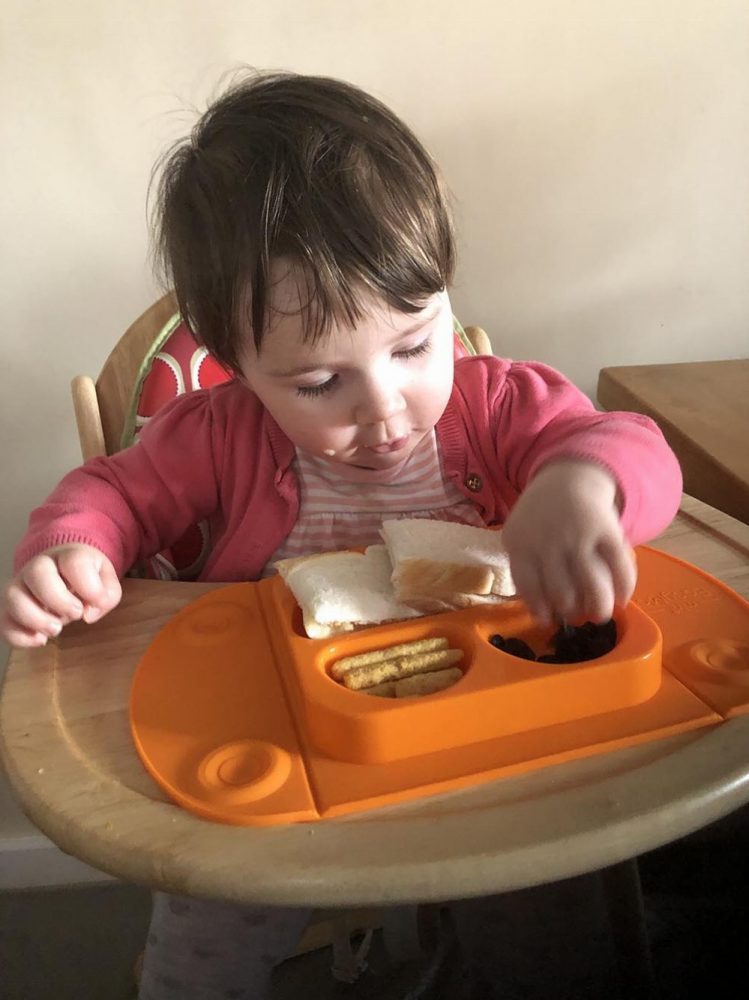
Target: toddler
column 307, row 235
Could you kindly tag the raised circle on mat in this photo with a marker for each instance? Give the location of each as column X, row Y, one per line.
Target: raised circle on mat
column 213, row 623
column 244, row 770
column 722, row 659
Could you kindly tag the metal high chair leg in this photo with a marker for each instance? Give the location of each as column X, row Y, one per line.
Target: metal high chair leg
column 349, row 960
column 623, row 895
column 400, row 932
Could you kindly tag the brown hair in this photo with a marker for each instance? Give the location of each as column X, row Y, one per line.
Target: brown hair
column 308, row 168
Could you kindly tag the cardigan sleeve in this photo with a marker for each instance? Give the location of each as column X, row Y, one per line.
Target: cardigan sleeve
column 135, row 503
column 540, row 416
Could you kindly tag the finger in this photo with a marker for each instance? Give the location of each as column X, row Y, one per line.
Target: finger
column 558, row 579
column 597, row 589
column 80, row 570
column 111, row 582
column 42, row 579
column 527, row 579
column 15, row 634
column 111, row 593
column 26, row 612
column 620, row 559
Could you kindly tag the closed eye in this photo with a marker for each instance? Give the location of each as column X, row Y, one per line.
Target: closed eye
column 414, row 352
column 317, row 390
column 310, row 391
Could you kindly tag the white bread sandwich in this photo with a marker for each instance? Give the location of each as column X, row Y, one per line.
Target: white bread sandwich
column 341, row 591
column 426, row 566
column 442, row 565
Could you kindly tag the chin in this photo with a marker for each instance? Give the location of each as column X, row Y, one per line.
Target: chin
column 389, row 460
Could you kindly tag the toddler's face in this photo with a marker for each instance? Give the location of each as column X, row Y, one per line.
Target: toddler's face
column 364, row 396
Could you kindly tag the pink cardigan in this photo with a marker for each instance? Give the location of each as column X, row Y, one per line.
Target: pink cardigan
column 217, row 454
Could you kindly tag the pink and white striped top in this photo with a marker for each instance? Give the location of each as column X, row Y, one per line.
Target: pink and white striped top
column 342, row 507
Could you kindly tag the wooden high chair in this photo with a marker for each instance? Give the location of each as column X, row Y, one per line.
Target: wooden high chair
column 101, row 409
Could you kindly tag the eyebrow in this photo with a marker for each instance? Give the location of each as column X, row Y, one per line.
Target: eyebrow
column 306, row 369
column 302, row 370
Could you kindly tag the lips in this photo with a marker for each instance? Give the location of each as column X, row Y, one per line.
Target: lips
column 397, row 444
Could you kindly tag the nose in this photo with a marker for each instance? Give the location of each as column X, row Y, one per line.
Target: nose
column 380, row 399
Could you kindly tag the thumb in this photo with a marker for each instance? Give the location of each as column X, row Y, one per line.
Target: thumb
column 110, row 591
column 90, row 575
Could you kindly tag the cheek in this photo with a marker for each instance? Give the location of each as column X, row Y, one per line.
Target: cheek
column 314, row 425
column 435, row 383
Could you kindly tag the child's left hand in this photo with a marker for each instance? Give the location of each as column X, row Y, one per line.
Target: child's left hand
column 568, row 554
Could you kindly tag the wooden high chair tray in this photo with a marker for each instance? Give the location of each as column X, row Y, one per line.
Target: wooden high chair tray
column 69, row 754
column 234, row 712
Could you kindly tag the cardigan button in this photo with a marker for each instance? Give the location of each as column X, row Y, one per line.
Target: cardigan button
column 473, row 482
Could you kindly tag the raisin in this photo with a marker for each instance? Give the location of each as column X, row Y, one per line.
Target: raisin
column 498, row 641
column 516, row 647
column 571, row 654
column 565, row 643
column 586, row 642
column 608, row 631
column 599, row 646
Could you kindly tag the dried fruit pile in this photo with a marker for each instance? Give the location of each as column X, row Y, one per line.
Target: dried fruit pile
column 570, row 644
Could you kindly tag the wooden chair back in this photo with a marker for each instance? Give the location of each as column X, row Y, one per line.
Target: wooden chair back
column 101, row 406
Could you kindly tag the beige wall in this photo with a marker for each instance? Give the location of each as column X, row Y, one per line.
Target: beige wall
column 598, row 152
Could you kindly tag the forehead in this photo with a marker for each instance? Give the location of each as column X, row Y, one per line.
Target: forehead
column 291, row 312
column 287, row 288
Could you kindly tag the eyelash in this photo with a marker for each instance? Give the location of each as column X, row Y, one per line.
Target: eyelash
column 310, row 391
column 317, row 390
column 415, row 352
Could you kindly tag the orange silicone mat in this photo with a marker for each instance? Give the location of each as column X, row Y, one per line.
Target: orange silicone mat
column 234, row 714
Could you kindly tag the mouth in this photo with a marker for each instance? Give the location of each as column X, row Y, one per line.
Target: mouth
column 397, row 444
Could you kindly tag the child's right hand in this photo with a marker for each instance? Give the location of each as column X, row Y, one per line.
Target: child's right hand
column 60, row 585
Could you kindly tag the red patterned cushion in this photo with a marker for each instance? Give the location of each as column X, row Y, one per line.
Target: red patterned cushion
column 179, row 365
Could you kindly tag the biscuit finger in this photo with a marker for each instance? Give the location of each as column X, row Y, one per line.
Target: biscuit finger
column 346, row 663
column 386, row 690
column 423, row 684
column 399, row 667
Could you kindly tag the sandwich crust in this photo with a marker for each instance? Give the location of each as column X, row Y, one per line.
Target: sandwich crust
column 436, row 579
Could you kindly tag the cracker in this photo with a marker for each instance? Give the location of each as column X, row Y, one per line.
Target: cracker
column 386, row 690
column 346, row 663
column 423, row 684
column 401, row 666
